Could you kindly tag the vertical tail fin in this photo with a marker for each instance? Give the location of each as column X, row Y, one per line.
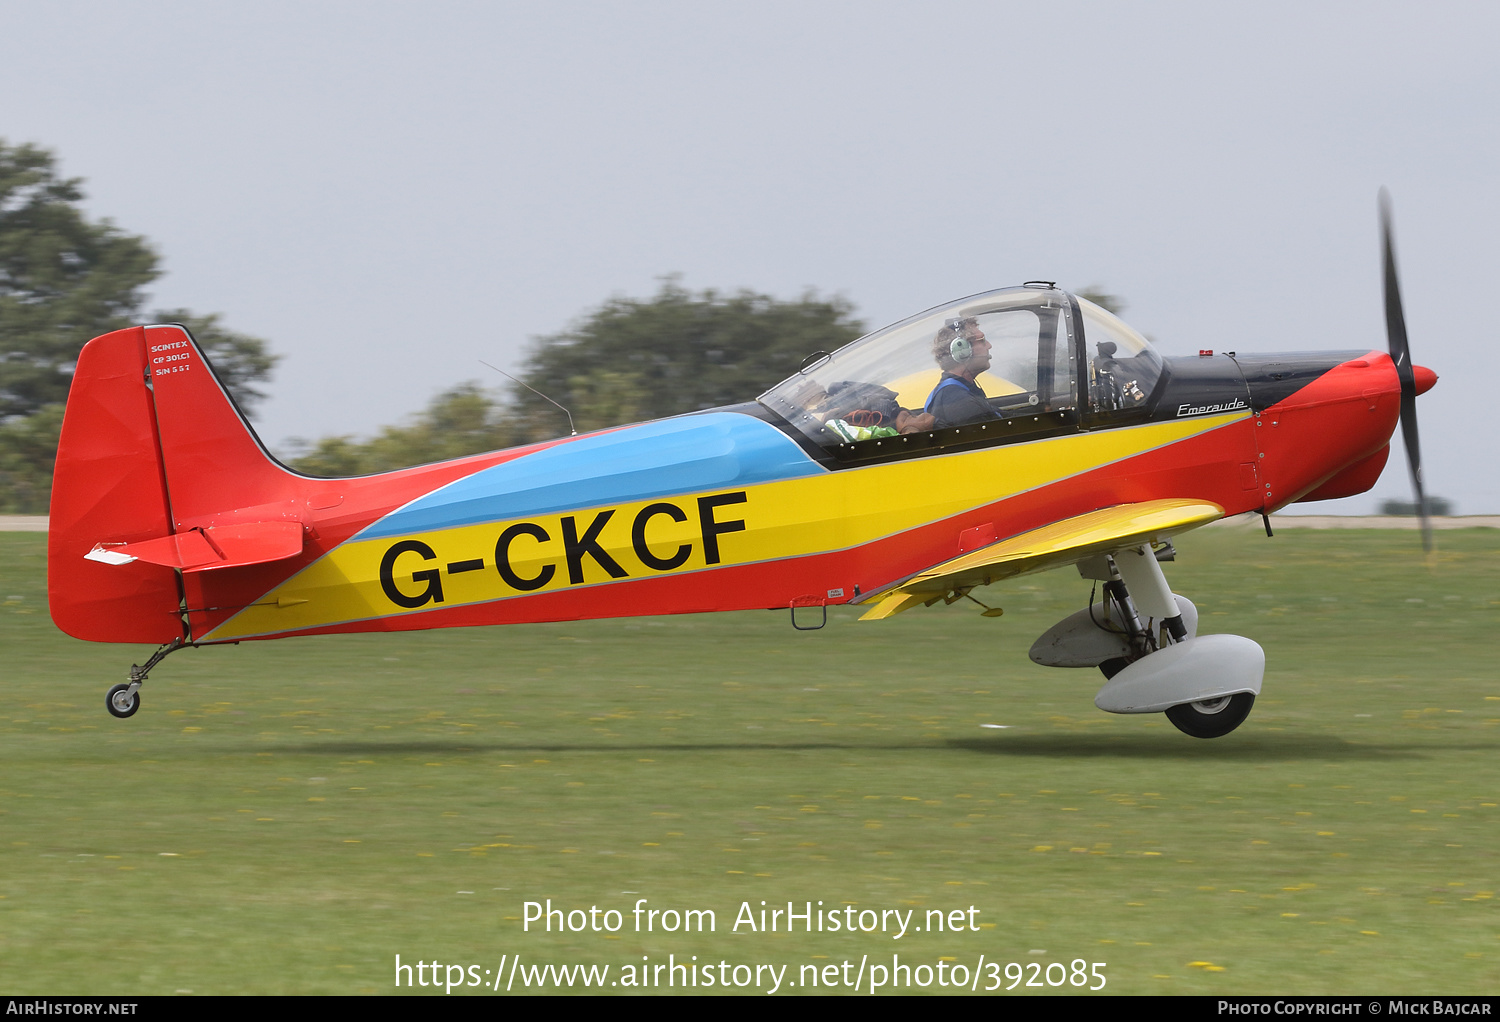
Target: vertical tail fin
column 152, row 445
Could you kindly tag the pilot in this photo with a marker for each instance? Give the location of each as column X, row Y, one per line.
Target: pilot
column 963, row 352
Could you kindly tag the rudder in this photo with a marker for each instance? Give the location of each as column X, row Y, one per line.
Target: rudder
column 211, row 458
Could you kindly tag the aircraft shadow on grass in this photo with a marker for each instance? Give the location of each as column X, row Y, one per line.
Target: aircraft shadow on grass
column 1260, row 748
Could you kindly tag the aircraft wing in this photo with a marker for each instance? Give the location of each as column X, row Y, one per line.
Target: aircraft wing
column 1062, row 542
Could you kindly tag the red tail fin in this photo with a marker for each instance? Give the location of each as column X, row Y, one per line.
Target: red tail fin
column 152, row 445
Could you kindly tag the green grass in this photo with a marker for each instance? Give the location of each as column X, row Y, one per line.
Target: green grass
column 287, row 817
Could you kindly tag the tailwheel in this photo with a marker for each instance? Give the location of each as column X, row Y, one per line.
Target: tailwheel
column 1212, row 718
column 123, row 700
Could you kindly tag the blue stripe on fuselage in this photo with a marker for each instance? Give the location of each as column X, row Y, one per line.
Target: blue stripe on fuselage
column 686, row 454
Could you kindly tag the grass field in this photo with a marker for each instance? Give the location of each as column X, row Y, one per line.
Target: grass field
column 288, row 817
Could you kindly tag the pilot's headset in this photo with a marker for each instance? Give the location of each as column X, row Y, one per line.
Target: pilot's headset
column 960, row 349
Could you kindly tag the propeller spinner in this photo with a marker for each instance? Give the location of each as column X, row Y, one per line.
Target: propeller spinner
column 1414, row 379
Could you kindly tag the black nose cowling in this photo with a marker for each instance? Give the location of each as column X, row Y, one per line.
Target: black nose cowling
column 1272, row 379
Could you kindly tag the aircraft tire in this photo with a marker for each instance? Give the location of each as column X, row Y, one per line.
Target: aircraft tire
column 1212, row 718
column 1113, row 666
column 120, row 703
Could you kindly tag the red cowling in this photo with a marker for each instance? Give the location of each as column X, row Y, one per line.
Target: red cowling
column 1330, row 427
column 1357, row 478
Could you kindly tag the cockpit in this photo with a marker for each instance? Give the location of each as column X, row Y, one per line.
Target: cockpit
column 1001, row 365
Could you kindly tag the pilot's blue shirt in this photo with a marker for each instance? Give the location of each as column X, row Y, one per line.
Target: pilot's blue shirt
column 958, row 401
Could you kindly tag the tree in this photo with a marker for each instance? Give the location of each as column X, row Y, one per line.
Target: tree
column 1437, row 507
column 28, row 447
column 1102, row 298
column 634, row 359
column 63, row 280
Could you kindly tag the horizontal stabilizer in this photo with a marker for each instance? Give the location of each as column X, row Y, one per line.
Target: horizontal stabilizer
column 1062, row 542
column 225, row 546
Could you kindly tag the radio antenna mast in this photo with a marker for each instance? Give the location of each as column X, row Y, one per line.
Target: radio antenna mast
column 571, row 429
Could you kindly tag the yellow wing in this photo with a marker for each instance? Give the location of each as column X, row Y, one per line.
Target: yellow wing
column 1051, row 546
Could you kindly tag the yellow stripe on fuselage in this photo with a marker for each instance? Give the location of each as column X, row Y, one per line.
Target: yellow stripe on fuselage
column 789, row 518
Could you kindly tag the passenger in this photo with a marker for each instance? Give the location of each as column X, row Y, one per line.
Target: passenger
column 962, row 351
column 915, row 422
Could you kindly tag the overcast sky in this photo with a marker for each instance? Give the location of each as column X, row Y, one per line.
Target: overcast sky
column 390, row 192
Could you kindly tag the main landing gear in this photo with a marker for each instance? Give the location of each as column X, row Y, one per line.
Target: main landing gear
column 123, row 700
column 1206, row 686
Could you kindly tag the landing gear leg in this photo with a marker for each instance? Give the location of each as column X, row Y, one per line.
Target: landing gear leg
column 1115, row 593
column 1134, row 578
column 1139, row 569
column 123, row 700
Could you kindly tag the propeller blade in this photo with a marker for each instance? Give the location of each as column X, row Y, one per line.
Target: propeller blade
column 1414, row 462
column 1395, row 331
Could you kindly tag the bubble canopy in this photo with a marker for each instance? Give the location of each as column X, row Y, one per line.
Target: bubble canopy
column 1007, row 359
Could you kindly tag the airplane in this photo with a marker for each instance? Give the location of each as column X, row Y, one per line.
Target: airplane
column 172, row 524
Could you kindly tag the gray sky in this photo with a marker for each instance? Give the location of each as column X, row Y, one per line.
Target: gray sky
column 390, row 192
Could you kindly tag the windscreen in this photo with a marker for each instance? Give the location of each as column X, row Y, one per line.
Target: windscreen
column 1123, row 367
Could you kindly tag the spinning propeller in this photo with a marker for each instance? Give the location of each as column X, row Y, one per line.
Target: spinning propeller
column 1414, row 379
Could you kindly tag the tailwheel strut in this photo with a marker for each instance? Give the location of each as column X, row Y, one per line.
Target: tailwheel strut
column 123, row 700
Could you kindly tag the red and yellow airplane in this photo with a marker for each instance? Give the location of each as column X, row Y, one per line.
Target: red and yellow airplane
column 1005, row 433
